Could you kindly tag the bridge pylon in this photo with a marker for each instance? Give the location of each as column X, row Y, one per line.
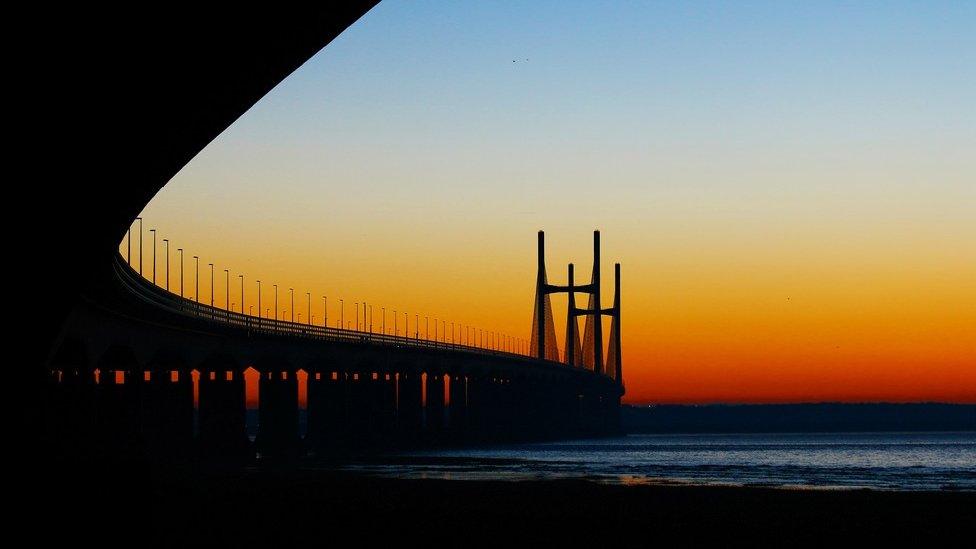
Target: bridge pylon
column 588, row 352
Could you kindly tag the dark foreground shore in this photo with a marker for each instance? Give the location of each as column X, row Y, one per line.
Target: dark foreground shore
column 286, row 507
column 291, row 507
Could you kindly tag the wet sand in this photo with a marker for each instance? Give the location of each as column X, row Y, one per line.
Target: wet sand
column 288, row 506
column 298, row 507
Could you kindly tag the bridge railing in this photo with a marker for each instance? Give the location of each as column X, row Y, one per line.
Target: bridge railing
column 150, row 293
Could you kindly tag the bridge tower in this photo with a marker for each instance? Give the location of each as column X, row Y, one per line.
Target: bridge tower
column 587, row 353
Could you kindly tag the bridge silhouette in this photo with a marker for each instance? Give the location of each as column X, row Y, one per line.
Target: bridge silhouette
column 142, row 369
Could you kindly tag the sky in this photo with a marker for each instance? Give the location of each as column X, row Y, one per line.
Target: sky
column 790, row 187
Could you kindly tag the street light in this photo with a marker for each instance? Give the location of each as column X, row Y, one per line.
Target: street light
column 259, row 302
column 211, row 286
column 181, row 270
column 153, row 231
column 140, row 244
column 325, row 312
column 309, row 296
column 166, row 245
column 196, row 276
column 384, row 321
column 356, row 303
column 276, row 302
column 342, row 314
column 241, row 276
column 227, row 292
column 292, row 290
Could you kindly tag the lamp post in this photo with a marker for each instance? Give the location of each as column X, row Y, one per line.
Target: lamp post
column 227, row 291
column 140, row 244
column 211, row 286
column 259, row 303
column 292, row 290
column 241, row 276
column 153, row 231
column 342, row 314
column 325, row 312
column 181, row 270
column 196, row 278
column 384, row 321
column 166, row 245
column 370, row 317
column 356, row 304
column 309, row 296
column 276, row 302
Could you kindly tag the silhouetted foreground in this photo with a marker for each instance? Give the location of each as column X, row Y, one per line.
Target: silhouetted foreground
column 798, row 418
column 285, row 507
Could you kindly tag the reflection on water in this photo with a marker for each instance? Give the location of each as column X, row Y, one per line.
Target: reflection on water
column 898, row 461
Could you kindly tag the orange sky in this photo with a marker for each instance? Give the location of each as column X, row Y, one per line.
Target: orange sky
column 795, row 223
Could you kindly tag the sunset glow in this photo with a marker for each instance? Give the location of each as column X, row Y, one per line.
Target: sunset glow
column 795, row 219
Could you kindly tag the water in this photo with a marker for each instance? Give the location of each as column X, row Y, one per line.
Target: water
column 888, row 461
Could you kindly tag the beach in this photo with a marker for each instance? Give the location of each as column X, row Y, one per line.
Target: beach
column 290, row 506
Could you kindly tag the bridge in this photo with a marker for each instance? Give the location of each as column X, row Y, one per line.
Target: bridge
column 144, row 369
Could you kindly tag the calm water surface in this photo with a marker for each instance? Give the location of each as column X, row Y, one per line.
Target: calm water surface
column 894, row 461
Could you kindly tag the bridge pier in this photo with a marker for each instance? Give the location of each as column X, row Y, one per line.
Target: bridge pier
column 278, row 411
column 357, row 390
column 434, row 407
column 167, row 410
column 409, row 406
column 222, row 409
column 458, row 408
column 71, row 396
column 384, row 407
column 117, row 403
column 327, row 417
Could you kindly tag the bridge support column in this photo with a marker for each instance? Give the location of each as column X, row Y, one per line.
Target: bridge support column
column 72, row 390
column 458, row 408
column 278, row 412
column 326, row 410
column 222, row 411
column 359, row 386
column 410, row 406
column 167, row 411
column 384, row 406
column 435, row 404
column 118, row 403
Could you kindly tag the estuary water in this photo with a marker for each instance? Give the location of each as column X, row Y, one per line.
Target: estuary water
column 886, row 461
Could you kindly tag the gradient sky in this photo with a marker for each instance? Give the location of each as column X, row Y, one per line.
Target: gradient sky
column 790, row 187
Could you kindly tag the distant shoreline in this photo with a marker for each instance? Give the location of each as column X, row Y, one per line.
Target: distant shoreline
column 797, row 418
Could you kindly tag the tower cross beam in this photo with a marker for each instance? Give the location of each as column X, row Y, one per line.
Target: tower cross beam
column 557, row 289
